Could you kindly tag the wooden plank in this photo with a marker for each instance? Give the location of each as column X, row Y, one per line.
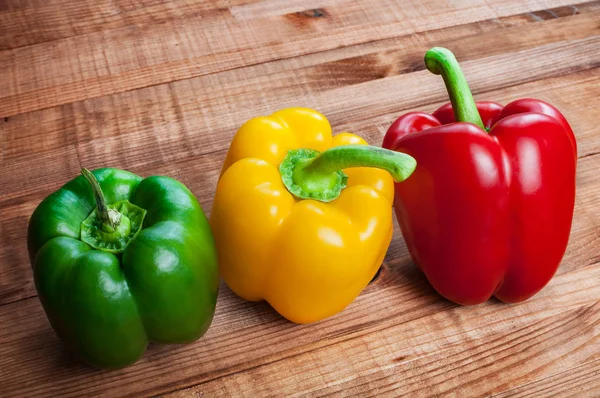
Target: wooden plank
column 50, row 74
column 215, row 103
column 581, row 381
column 41, row 21
column 153, row 146
column 380, row 95
column 16, row 280
column 476, row 361
column 414, row 336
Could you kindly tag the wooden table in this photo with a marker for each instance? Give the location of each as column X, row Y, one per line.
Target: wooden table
column 160, row 87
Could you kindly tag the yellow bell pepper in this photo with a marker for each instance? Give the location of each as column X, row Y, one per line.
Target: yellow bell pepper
column 311, row 252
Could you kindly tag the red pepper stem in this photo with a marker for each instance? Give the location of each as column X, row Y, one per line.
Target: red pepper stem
column 441, row 61
column 108, row 217
column 309, row 174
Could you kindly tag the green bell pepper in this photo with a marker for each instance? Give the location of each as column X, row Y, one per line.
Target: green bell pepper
column 120, row 261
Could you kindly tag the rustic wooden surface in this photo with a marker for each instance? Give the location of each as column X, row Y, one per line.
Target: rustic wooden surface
column 160, row 86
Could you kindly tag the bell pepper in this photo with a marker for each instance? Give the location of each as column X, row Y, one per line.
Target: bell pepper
column 488, row 210
column 120, row 261
column 302, row 219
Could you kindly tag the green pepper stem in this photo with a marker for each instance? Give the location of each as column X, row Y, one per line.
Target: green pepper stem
column 108, row 218
column 399, row 165
column 441, row 61
column 312, row 175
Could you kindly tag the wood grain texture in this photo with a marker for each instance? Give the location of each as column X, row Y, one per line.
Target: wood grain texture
column 583, row 380
column 43, row 21
column 262, row 88
column 131, row 57
column 160, row 86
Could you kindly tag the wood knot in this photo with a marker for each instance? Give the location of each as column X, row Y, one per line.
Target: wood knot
column 316, row 13
column 306, row 19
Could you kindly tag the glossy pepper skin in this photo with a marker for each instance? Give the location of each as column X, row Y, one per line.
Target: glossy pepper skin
column 107, row 303
column 308, row 258
column 485, row 214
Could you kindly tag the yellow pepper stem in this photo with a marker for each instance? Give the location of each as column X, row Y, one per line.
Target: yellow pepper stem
column 309, row 174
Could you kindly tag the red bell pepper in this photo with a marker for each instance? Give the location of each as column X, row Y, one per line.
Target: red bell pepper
column 489, row 207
